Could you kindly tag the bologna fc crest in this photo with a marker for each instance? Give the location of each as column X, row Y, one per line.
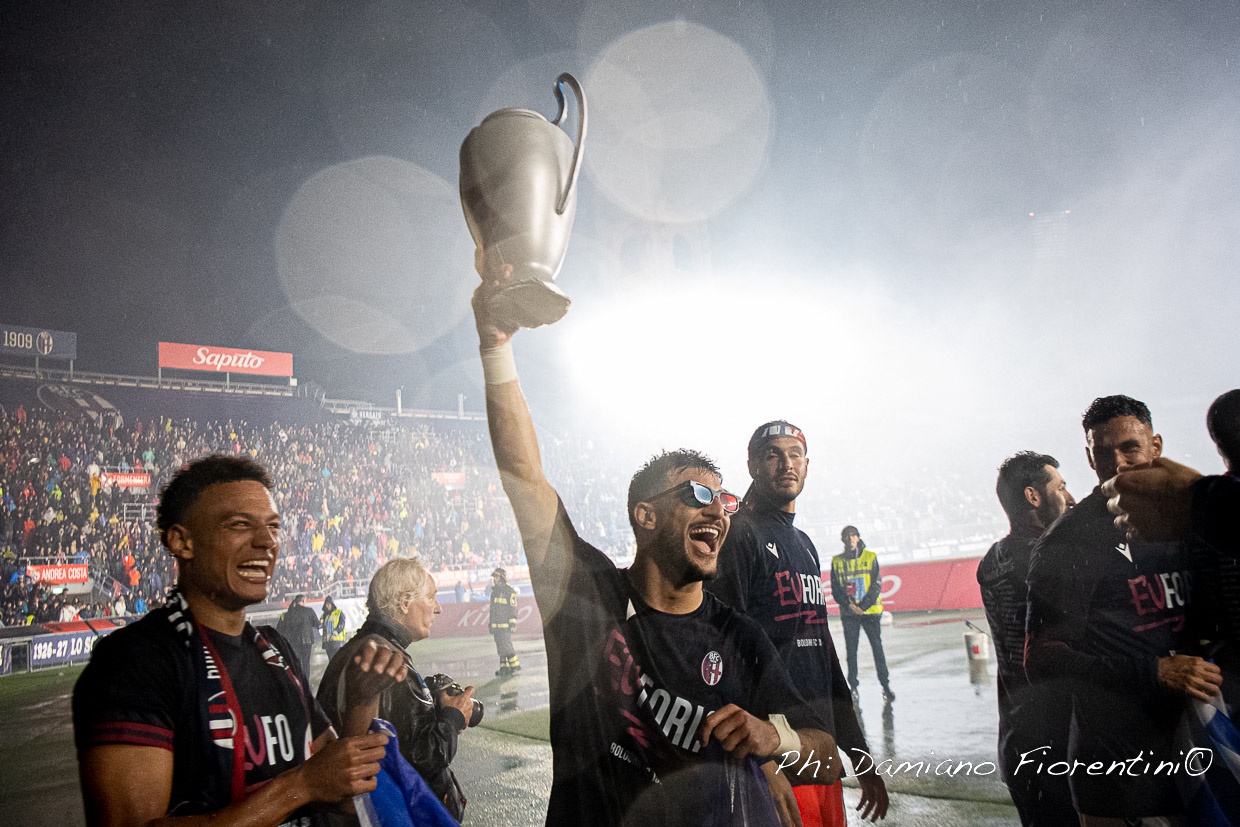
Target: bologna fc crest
column 712, row 668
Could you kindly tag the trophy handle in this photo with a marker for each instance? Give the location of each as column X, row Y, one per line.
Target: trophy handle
column 571, row 81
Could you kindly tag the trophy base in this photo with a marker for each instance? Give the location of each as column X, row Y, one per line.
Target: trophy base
column 531, row 303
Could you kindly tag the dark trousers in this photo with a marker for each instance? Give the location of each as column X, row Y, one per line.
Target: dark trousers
column 853, row 624
column 503, row 647
column 304, row 652
column 1040, row 799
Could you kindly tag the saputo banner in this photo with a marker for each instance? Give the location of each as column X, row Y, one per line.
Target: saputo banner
column 224, row 359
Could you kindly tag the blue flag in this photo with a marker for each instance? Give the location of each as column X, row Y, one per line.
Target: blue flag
column 1211, row 784
column 402, row 798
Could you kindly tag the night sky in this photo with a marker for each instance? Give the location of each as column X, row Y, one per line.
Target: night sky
column 951, row 220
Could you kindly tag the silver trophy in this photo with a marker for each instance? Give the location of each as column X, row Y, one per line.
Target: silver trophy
column 518, row 190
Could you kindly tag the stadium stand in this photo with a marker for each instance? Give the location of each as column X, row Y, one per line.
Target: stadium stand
column 353, row 492
column 82, row 468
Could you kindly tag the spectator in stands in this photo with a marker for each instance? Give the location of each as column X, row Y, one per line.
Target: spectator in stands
column 380, row 493
column 68, row 611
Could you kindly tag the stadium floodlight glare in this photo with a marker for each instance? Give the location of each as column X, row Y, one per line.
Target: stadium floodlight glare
column 698, row 360
column 656, row 359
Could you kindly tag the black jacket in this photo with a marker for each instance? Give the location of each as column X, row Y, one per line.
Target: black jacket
column 427, row 732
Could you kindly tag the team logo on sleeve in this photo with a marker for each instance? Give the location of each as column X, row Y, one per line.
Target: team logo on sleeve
column 712, row 668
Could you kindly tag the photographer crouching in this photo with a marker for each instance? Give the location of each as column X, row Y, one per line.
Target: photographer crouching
column 429, row 714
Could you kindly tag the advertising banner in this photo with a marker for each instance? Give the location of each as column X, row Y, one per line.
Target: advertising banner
column 450, row 480
column 37, row 341
column 125, row 480
column 6, row 659
column 224, row 359
column 58, row 650
column 58, row 573
column 928, row 586
column 474, row 619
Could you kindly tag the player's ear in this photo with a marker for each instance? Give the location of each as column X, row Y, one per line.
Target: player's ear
column 1033, row 496
column 643, row 515
column 179, row 542
column 1157, row 442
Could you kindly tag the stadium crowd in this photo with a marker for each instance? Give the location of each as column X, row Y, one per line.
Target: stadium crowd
column 351, row 495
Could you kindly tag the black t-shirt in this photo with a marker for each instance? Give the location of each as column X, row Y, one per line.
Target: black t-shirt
column 140, row 689
column 1030, row 715
column 1216, row 543
column 630, row 687
column 1102, row 610
column 770, row 570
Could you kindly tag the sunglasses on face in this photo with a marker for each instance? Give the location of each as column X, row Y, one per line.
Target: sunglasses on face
column 696, row 495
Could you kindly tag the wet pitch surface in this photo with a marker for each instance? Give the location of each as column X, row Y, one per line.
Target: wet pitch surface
column 932, row 745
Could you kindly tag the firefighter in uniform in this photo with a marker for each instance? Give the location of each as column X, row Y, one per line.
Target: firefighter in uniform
column 504, row 622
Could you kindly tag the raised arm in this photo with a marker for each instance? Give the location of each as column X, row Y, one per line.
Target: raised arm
column 534, row 501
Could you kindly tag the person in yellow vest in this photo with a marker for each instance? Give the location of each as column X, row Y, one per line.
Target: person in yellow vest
column 333, row 623
column 856, row 584
column 504, row 622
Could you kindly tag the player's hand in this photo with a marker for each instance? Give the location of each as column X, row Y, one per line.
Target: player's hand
column 1152, row 500
column 344, row 768
column 785, row 799
column 495, row 277
column 855, row 609
column 740, row 733
column 1190, row 676
column 462, row 702
column 376, row 666
column 874, row 802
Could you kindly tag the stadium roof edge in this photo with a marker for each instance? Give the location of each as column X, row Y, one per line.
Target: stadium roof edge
column 202, row 385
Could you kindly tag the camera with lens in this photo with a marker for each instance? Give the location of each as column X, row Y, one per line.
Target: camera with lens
column 443, row 683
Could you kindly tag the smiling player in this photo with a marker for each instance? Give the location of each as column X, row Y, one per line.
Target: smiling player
column 664, row 701
column 192, row 711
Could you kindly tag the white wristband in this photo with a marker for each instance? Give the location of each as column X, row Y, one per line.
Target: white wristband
column 498, row 366
column 789, row 741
